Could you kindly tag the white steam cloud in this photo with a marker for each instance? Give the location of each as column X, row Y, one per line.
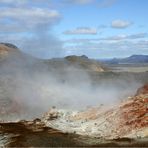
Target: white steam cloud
column 36, row 87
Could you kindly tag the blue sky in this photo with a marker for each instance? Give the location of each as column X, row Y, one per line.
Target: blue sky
column 56, row 28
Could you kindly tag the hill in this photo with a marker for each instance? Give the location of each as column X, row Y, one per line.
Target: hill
column 85, row 63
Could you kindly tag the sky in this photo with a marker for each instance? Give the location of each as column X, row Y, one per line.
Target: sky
column 95, row 28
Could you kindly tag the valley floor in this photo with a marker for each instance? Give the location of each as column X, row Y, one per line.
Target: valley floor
column 128, row 67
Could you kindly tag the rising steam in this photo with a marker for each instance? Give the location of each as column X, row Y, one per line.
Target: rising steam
column 36, row 87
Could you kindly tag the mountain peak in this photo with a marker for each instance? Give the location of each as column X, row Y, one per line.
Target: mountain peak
column 9, row 45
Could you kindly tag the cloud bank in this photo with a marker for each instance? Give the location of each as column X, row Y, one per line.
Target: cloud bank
column 81, row 31
column 120, row 24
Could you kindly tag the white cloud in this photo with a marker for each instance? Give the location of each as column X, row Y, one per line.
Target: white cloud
column 109, row 49
column 138, row 36
column 109, row 46
column 81, row 2
column 24, row 2
column 82, row 31
column 23, row 18
column 116, row 38
column 100, row 3
column 107, row 3
column 126, row 37
column 120, row 24
column 15, row 3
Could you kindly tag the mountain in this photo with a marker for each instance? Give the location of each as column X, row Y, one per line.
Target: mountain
column 134, row 59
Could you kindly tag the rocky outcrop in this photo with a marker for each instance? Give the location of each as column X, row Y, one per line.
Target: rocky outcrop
column 33, row 134
column 85, row 63
column 127, row 119
column 6, row 49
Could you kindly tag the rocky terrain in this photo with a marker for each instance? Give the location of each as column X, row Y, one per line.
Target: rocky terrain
column 127, row 119
column 125, row 124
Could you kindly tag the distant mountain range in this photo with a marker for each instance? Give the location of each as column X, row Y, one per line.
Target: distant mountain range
column 134, row 59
